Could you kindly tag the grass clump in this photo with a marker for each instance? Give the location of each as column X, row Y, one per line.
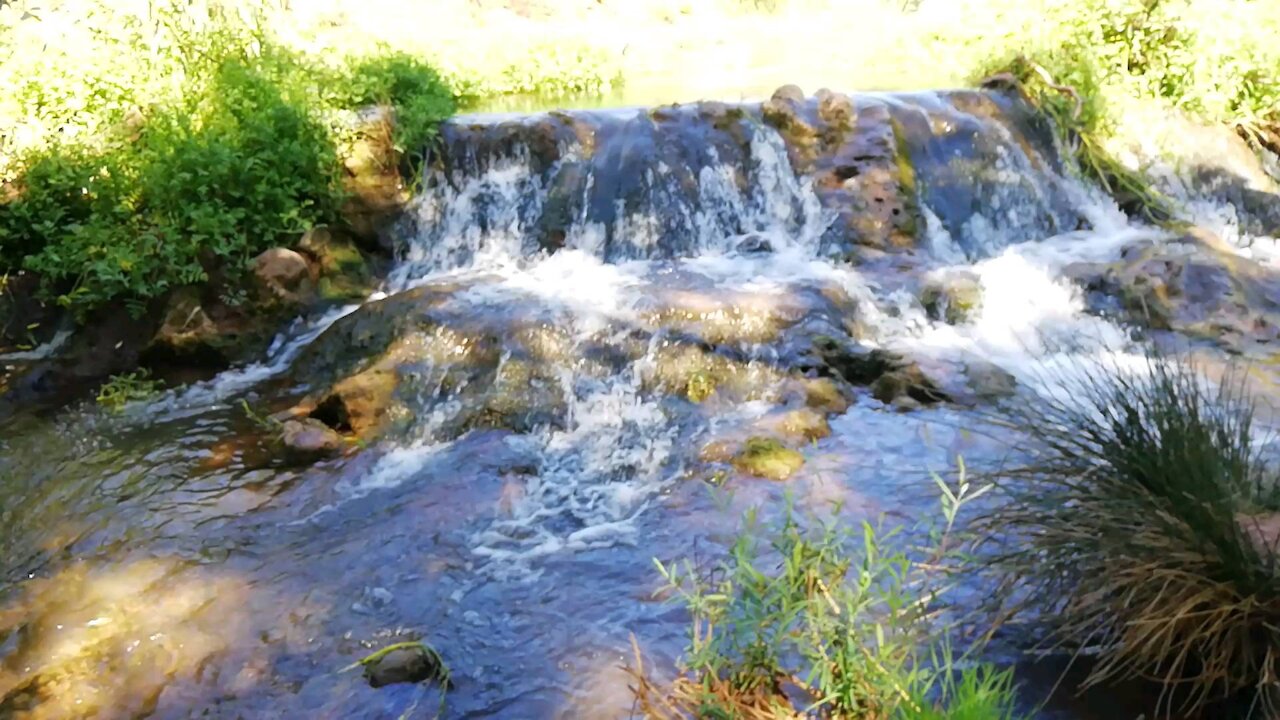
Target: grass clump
column 1143, row 529
column 808, row 618
column 147, row 151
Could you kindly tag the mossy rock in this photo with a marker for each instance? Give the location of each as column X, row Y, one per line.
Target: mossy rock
column 768, row 458
column 954, row 299
column 825, row 396
column 805, row 424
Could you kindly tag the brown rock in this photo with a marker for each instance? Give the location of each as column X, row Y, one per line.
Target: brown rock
column 186, row 331
column 835, row 108
column 825, row 396
column 281, row 273
column 358, row 404
column 309, row 440
column 907, row 382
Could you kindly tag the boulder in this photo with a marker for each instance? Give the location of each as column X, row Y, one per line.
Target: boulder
column 309, row 440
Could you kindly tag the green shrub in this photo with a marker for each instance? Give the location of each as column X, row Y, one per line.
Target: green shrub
column 214, row 142
column 793, row 624
column 1143, row 527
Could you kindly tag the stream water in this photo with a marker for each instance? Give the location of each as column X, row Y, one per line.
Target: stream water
column 157, row 564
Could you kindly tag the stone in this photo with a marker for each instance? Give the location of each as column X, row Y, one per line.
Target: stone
column 988, row 381
column 358, row 404
column 309, row 440
column 835, row 108
column 909, row 382
column 805, row 424
column 281, row 272
column 825, row 396
column 768, row 458
column 186, row 331
column 718, row 451
column 853, row 363
column 404, row 665
column 954, row 298
column 755, row 245
column 788, row 93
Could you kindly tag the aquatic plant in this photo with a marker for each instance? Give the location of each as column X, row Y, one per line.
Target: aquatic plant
column 120, row 390
column 796, row 624
column 1143, row 527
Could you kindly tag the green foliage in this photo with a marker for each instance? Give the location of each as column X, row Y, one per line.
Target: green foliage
column 181, row 150
column 1104, row 54
column 121, row 390
column 793, row 623
column 1144, row 525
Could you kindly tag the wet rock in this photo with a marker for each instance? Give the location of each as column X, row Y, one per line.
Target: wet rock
column 755, row 245
column 909, row 382
column 954, row 298
column 768, row 458
column 309, row 440
column 805, row 425
column 853, row 363
column 718, row 451
column 404, row 665
column 344, row 273
column 281, row 273
column 988, row 381
column 835, row 108
column 186, row 331
column 359, row 404
column 1196, row 286
column 825, row 396
column 376, row 196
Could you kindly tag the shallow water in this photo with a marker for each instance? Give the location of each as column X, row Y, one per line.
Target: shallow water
column 159, row 563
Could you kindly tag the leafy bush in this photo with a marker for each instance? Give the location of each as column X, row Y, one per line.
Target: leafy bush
column 792, row 624
column 213, row 142
column 1106, row 54
column 1143, row 527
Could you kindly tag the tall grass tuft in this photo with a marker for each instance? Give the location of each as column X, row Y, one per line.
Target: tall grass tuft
column 809, row 618
column 1143, row 528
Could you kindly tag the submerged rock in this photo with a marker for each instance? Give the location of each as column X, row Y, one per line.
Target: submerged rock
column 954, row 298
column 909, row 382
column 309, row 440
column 768, row 458
column 411, row 664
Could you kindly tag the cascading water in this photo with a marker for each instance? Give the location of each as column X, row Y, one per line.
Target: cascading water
column 589, row 316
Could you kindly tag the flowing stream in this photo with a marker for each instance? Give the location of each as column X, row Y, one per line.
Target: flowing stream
column 564, row 282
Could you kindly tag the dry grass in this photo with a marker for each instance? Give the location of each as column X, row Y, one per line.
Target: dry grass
column 1141, row 530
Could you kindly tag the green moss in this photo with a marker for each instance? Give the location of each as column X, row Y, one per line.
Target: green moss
column 768, row 458
column 701, row 386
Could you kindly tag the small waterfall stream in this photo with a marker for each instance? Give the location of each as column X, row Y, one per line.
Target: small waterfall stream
column 584, row 307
